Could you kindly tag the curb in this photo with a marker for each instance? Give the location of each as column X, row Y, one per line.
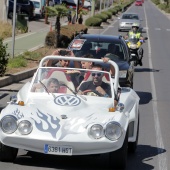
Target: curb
column 15, row 78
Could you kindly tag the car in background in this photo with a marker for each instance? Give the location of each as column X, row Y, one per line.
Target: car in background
column 127, row 20
column 138, row 3
column 87, row 4
column 73, row 3
column 39, row 8
column 11, row 8
column 113, row 47
column 25, row 6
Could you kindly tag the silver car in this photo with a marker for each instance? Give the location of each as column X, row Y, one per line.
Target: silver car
column 127, row 20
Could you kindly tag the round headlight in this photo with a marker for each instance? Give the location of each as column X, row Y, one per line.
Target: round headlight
column 96, row 131
column 9, row 124
column 113, row 131
column 25, row 127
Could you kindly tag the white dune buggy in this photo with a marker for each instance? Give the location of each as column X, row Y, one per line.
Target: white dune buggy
column 68, row 123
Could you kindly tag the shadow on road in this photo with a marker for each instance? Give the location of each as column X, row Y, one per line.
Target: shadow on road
column 145, row 97
column 145, row 70
column 136, row 161
column 140, row 159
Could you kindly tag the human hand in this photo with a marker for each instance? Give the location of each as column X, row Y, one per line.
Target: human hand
column 100, row 90
column 105, row 59
column 56, row 52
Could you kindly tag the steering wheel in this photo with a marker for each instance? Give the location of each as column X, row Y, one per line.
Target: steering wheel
column 91, row 92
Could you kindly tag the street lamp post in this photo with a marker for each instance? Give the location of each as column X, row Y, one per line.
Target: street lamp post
column 13, row 28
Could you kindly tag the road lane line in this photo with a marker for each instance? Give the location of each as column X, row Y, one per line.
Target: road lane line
column 162, row 157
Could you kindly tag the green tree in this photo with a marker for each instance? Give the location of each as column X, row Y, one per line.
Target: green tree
column 59, row 11
column 4, row 56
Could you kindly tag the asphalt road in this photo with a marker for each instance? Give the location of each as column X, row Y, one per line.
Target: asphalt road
column 151, row 82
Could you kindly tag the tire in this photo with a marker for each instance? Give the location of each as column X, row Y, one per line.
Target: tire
column 7, row 154
column 133, row 145
column 118, row 159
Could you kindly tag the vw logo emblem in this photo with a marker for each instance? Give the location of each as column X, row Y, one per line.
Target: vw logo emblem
column 67, row 100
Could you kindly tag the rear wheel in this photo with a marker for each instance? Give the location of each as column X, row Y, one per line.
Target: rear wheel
column 7, row 154
column 118, row 159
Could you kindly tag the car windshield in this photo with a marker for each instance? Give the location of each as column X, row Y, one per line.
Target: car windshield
column 130, row 16
column 99, row 49
column 69, row 81
column 36, row 4
column 133, row 39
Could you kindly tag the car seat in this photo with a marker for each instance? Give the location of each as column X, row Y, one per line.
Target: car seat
column 63, row 78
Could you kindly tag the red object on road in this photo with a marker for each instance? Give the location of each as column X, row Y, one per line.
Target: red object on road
column 138, row 3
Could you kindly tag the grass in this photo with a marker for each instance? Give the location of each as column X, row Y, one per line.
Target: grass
column 27, row 60
column 5, row 30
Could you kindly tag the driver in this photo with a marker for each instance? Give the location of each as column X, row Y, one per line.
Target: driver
column 96, row 85
column 138, row 35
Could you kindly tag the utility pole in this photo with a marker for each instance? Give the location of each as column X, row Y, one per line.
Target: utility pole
column 46, row 14
column 13, row 28
column 77, row 9
column 93, row 8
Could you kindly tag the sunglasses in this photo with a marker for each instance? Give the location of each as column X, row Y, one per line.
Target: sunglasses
column 97, row 74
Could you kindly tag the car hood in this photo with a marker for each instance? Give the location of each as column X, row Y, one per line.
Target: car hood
column 47, row 116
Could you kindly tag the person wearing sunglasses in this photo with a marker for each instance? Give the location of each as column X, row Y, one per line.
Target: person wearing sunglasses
column 96, row 85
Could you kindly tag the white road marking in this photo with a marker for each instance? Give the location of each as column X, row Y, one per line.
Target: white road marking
column 162, row 157
column 168, row 29
column 157, row 29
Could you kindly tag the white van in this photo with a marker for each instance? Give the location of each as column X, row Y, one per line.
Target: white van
column 39, row 8
column 87, row 3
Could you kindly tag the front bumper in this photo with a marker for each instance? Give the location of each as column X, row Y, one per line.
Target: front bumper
column 80, row 147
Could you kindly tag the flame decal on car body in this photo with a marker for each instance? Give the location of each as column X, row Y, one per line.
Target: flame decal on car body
column 44, row 118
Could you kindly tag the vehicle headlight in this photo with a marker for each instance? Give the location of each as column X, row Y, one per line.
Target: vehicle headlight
column 25, row 127
column 113, row 131
column 122, row 73
column 9, row 124
column 122, row 23
column 96, row 131
column 133, row 46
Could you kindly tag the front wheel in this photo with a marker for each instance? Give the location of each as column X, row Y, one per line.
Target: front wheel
column 133, row 145
column 7, row 154
column 118, row 159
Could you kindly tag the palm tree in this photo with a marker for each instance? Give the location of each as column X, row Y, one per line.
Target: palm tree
column 59, row 11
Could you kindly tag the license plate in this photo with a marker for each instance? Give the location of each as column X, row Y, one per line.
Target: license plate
column 57, row 150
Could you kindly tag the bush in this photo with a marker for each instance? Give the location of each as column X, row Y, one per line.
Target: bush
column 109, row 14
column 92, row 21
column 156, row 2
column 167, row 10
column 4, row 56
column 67, row 33
column 162, row 6
column 102, row 16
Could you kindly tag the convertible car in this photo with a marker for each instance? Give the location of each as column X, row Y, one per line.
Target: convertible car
column 67, row 122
